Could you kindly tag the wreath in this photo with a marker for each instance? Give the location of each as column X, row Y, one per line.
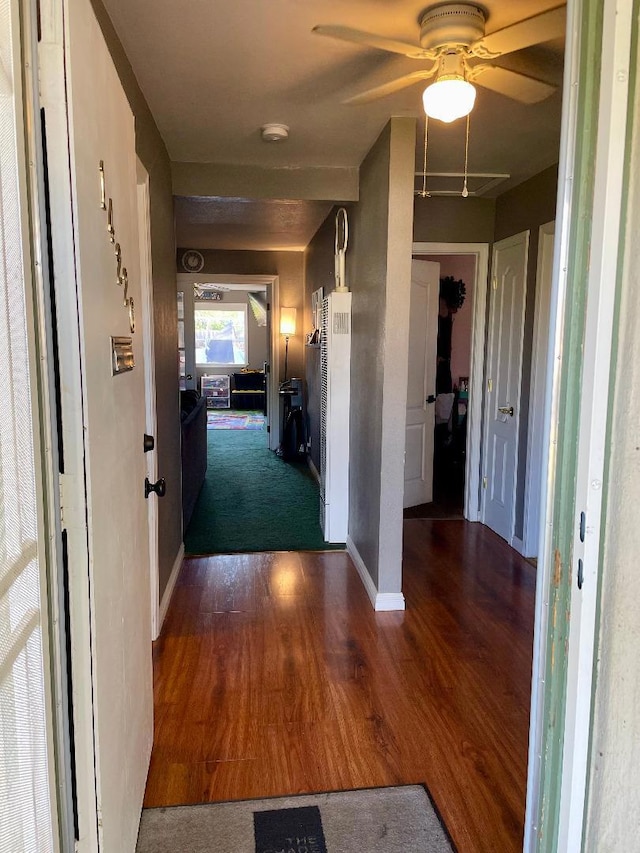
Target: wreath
column 453, row 292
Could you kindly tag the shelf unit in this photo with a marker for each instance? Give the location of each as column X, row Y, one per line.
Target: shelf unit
column 216, row 389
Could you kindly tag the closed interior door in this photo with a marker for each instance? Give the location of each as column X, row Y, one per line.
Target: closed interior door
column 504, row 372
column 421, row 387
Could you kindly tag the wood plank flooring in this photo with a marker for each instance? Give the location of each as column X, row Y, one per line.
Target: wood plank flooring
column 273, row 675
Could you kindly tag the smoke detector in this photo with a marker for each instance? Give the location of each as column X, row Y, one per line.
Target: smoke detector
column 273, row 132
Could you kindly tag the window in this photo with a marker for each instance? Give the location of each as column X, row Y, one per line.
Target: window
column 221, row 334
column 182, row 365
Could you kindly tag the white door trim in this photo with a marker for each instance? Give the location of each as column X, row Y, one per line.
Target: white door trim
column 606, row 235
column 598, row 345
column 273, row 382
column 476, row 377
column 146, row 286
column 535, row 431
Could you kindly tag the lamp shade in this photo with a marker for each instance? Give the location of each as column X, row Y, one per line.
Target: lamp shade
column 449, row 99
column 287, row 321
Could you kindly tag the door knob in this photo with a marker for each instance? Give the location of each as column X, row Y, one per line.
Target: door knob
column 430, row 399
column 148, row 443
column 160, row 487
column 506, row 410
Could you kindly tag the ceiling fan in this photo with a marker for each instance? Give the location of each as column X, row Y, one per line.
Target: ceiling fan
column 453, row 41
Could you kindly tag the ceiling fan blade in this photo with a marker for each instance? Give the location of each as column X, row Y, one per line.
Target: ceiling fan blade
column 372, row 40
column 391, row 87
column 543, row 27
column 520, row 87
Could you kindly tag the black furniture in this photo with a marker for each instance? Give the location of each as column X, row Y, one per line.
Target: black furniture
column 249, row 390
column 193, row 415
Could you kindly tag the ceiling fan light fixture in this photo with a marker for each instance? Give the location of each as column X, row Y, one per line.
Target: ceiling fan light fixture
column 449, row 99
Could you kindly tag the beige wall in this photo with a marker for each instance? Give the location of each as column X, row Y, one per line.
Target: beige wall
column 288, row 266
column 153, row 154
column 379, row 273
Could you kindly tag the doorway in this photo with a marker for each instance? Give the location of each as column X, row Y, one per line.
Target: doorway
column 458, row 319
column 228, row 349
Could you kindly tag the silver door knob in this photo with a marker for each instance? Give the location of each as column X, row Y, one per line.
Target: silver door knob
column 506, row 410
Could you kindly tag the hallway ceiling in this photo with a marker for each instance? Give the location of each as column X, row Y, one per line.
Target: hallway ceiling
column 214, row 72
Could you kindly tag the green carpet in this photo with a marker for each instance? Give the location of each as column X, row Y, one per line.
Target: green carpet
column 252, row 500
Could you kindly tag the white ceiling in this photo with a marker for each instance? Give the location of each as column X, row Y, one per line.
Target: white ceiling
column 213, row 72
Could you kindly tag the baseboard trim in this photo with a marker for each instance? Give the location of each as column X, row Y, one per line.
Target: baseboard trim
column 386, row 601
column 168, row 591
column 313, row 469
column 381, row 601
column 518, row 545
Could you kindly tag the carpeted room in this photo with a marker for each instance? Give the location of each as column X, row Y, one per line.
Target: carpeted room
column 252, row 499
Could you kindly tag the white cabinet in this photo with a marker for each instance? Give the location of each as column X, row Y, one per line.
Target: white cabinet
column 216, row 390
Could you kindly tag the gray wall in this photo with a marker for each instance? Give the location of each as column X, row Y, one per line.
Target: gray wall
column 288, row 266
column 453, row 220
column 153, row 154
column 379, row 273
column 525, row 208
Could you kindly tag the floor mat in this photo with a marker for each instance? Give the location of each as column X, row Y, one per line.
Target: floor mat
column 227, row 419
column 378, row 820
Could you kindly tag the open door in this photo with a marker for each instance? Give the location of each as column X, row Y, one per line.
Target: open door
column 421, row 389
column 90, row 136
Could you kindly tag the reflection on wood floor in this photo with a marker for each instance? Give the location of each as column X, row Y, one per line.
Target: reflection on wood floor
column 273, row 675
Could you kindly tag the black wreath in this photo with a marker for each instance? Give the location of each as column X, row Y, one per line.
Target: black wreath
column 453, row 292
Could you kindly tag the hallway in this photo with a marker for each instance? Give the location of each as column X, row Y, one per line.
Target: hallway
column 273, row 675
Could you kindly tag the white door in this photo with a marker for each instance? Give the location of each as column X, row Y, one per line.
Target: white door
column 504, row 372
column 91, row 270
column 420, row 422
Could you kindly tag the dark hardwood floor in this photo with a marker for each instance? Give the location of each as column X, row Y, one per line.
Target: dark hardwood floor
column 273, row 675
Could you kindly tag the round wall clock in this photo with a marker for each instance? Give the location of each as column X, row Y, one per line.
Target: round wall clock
column 192, row 261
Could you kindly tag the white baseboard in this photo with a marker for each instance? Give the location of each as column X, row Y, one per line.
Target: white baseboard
column 313, row 469
column 168, row 591
column 518, row 545
column 380, row 600
column 390, row 601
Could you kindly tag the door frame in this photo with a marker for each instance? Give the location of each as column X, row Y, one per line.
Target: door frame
column 585, row 284
column 273, row 380
column 476, row 375
column 148, row 348
column 506, row 242
column 71, row 485
column 537, row 386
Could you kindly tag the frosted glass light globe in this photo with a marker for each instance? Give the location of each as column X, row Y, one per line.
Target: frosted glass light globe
column 449, row 99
